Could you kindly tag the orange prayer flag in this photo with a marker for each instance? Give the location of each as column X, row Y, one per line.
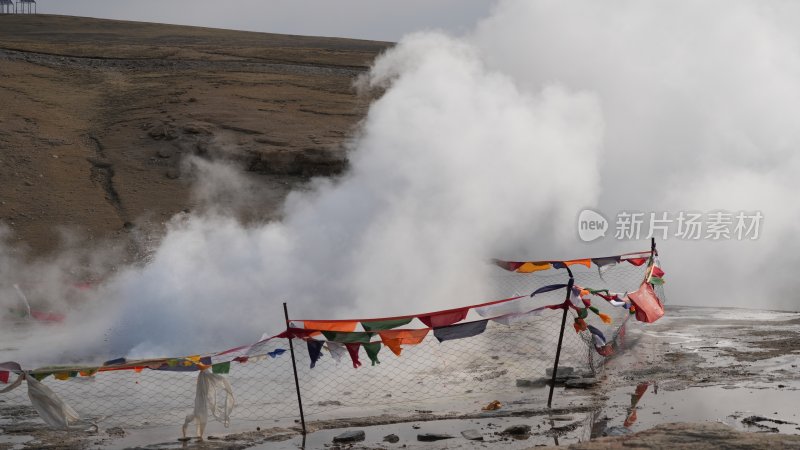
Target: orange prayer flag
column 583, row 262
column 343, row 326
column 530, row 267
column 394, row 345
column 394, row 338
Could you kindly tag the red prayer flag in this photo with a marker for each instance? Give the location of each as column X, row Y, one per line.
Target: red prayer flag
column 444, row 318
column 4, row 374
column 353, row 350
column 637, row 261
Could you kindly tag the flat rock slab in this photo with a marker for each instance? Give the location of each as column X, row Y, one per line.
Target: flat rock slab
column 431, row 437
column 581, row 382
column 350, row 436
column 532, row 382
column 391, row 438
column 472, row 435
column 561, row 418
column 517, row 430
column 562, row 371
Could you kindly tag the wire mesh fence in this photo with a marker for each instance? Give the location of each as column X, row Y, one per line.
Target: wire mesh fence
column 426, row 376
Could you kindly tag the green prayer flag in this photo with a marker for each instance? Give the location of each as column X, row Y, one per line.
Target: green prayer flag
column 41, row 376
column 583, row 313
column 656, row 281
column 372, row 350
column 594, row 310
column 223, row 368
column 355, row 337
column 374, row 325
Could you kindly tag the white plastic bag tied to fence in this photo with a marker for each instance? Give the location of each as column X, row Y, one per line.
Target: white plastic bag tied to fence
column 208, row 386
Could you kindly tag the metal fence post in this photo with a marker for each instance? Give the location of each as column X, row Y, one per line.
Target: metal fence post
column 294, row 368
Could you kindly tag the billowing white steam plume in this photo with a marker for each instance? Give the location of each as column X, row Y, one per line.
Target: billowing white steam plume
column 453, row 164
column 489, row 145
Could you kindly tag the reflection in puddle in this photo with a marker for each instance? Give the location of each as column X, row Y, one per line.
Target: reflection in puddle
column 731, row 405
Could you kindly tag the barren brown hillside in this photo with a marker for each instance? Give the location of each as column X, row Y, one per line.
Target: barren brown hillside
column 96, row 116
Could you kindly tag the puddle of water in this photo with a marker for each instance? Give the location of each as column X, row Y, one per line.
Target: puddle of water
column 650, row 406
column 490, row 429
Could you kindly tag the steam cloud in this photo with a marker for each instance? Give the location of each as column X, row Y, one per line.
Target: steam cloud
column 489, row 145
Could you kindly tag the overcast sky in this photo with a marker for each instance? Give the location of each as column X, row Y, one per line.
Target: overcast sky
column 364, row 19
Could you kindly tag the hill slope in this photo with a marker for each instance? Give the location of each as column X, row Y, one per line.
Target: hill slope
column 98, row 114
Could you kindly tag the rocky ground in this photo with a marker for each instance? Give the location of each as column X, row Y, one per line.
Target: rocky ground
column 99, row 115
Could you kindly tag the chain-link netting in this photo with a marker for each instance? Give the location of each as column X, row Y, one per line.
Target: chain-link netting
column 429, row 376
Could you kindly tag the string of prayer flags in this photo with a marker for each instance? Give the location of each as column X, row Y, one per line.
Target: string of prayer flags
column 314, row 350
column 460, row 331
column 603, row 263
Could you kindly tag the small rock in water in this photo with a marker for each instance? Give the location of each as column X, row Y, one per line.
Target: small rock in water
column 472, row 435
column 517, row 429
column 392, row 438
column 350, row 436
column 581, row 382
column 430, row 437
column 616, row 431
